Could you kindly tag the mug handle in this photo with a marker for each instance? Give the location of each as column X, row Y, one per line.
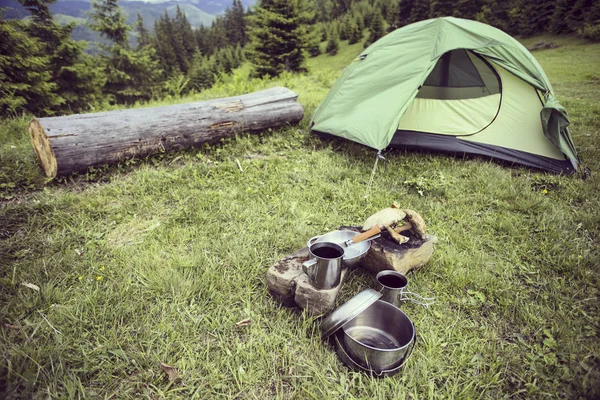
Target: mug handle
column 308, row 264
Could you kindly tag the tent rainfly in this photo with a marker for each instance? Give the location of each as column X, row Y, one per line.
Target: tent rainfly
column 452, row 85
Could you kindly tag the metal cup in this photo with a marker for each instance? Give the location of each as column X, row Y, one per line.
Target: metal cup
column 394, row 289
column 324, row 269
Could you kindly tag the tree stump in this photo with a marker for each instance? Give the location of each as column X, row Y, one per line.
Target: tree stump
column 74, row 143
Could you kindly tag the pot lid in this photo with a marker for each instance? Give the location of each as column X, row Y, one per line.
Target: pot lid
column 348, row 311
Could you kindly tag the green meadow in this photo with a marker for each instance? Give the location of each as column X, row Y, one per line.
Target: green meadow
column 105, row 275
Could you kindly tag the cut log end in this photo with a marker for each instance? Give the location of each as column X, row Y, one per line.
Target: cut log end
column 43, row 148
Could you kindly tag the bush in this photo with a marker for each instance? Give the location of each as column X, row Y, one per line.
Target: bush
column 333, row 45
column 591, row 32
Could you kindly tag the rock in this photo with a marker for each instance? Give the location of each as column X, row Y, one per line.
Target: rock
column 316, row 302
column 289, row 284
column 386, row 254
column 281, row 277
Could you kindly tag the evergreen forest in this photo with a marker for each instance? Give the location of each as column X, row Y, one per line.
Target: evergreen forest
column 43, row 71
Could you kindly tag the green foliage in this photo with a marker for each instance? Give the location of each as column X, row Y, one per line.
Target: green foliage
column 333, row 44
column 591, row 32
column 558, row 23
column 176, row 86
column 25, row 79
column 404, row 12
column 108, row 19
column 356, row 34
column 420, row 10
column 201, row 74
column 131, row 76
column 442, row 8
column 313, row 41
column 143, row 34
column 235, row 24
column 376, row 29
column 278, row 37
column 77, row 82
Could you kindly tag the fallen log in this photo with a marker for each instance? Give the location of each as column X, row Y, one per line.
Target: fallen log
column 542, row 46
column 76, row 142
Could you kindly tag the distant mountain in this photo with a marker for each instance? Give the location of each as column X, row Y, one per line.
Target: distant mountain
column 198, row 12
column 204, row 13
column 150, row 11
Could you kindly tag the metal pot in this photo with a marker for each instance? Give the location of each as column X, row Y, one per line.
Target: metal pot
column 379, row 338
column 346, row 359
column 352, row 254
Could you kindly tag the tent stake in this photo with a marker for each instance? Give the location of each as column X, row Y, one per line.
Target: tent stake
column 377, row 157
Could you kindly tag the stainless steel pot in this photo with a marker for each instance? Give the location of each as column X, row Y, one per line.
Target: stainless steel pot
column 352, row 254
column 346, row 359
column 379, row 338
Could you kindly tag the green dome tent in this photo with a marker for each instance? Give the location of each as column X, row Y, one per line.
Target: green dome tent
column 451, row 85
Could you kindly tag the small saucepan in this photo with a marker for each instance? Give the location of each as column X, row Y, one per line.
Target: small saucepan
column 352, row 254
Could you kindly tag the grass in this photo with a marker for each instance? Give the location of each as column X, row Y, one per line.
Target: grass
column 154, row 261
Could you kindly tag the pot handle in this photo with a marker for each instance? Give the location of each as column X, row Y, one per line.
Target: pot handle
column 312, row 240
column 410, row 353
column 417, row 299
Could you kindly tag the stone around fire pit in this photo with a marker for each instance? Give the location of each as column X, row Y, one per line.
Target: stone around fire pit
column 289, row 284
column 387, row 254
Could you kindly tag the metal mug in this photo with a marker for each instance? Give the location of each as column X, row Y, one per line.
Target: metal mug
column 324, row 269
column 394, row 289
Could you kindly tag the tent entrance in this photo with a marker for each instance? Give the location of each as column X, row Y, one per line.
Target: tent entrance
column 461, row 96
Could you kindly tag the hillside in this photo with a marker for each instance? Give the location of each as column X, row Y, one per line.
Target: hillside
column 196, row 13
column 74, row 11
column 77, row 8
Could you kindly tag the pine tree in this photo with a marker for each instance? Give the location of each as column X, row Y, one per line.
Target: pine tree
column 162, row 43
column 343, row 28
column 143, row 35
column 577, row 15
column 404, row 12
column 201, row 75
column 25, row 81
column 131, row 76
column 441, row 8
column 77, row 81
column 558, row 22
column 419, row 11
column 356, row 34
column 376, row 30
column 202, row 37
column 324, row 10
column 467, row 9
column 277, row 38
column 392, row 16
column 323, row 33
column 235, row 23
column 333, row 44
column 185, row 40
